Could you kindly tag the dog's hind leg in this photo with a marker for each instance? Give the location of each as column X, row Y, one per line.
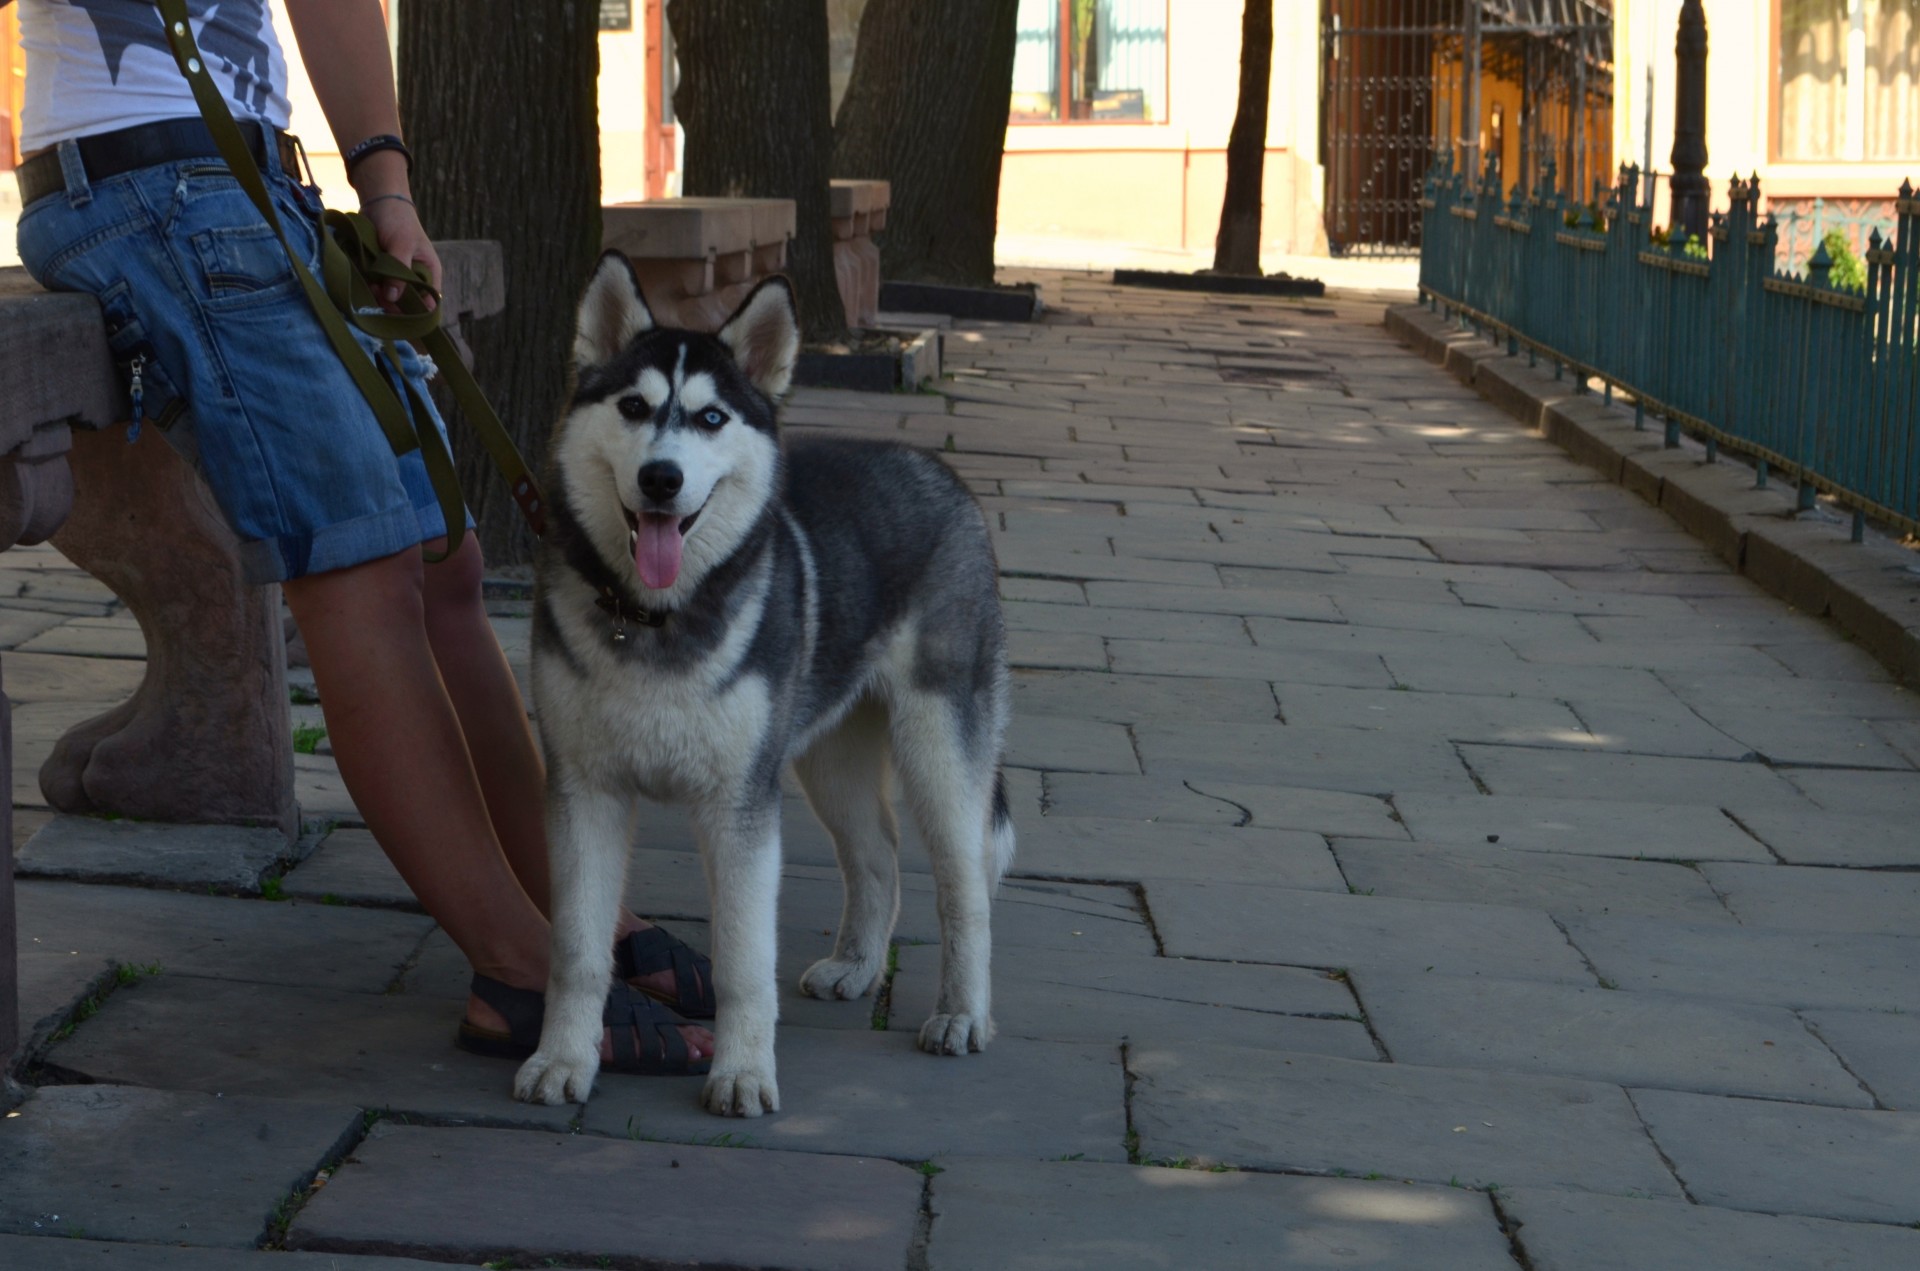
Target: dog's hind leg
column 587, row 837
column 845, row 779
column 949, row 785
column 741, row 848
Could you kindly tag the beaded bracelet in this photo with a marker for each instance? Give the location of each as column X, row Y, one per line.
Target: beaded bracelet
column 373, row 145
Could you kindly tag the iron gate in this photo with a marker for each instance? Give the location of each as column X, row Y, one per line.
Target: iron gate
column 1520, row 82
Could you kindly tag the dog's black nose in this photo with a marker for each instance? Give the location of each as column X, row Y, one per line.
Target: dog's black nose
column 660, row 480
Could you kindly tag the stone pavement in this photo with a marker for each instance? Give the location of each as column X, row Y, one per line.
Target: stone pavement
column 1430, row 858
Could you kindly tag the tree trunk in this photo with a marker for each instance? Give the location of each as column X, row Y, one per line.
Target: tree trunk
column 753, row 99
column 926, row 109
column 500, row 102
column 1237, row 249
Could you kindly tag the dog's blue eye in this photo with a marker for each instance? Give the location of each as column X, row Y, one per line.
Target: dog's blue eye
column 712, row 418
column 634, row 406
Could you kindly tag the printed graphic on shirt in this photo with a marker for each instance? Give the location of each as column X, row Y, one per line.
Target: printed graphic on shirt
column 229, row 32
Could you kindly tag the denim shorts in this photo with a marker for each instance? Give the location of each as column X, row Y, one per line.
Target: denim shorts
column 234, row 366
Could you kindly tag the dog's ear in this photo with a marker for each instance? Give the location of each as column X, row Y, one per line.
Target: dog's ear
column 764, row 336
column 612, row 312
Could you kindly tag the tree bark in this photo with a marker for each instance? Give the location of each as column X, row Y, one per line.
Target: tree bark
column 1237, row 248
column 500, row 103
column 926, row 109
column 753, row 99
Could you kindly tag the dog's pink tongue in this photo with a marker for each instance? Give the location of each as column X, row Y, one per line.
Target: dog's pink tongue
column 656, row 552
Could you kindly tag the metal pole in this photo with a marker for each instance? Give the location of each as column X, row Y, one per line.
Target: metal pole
column 1690, row 189
column 1470, row 97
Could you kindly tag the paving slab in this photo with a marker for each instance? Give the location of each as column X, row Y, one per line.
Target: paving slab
column 1314, row 1114
column 1101, row 848
column 1127, row 699
column 866, row 1092
column 1818, row 837
column 55, row 1254
column 1158, row 1000
column 1520, row 771
column 1453, row 716
column 389, row 1052
column 1794, row 898
column 1109, row 796
column 1581, row 826
column 1064, row 744
column 1792, row 738
column 1130, row 622
column 1581, row 1231
column 349, row 867
column 1348, row 759
column 1744, row 964
column 1559, row 884
column 228, row 858
column 1352, row 667
column 119, row 1163
column 1273, row 924
column 263, row 942
column 1876, row 793
column 91, row 638
column 1325, row 812
column 50, row 677
column 1063, row 1216
column 475, row 1195
column 1755, row 1154
column 1240, row 601
column 1879, row 1048
column 1637, row 1039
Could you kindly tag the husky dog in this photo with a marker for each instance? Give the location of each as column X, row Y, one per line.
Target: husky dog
column 712, row 607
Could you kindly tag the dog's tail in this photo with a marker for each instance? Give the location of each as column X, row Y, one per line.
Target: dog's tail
column 1000, row 830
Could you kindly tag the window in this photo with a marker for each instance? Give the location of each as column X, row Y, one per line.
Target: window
column 1849, row 80
column 1113, row 60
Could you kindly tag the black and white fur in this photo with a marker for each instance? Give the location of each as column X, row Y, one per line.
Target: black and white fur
column 835, row 610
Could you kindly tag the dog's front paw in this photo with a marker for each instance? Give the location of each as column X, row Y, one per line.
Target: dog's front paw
column 955, row 1034
column 546, row 1078
column 842, row 978
column 741, row 1093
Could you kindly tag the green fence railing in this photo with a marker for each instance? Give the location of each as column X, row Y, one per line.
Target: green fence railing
column 1814, row 381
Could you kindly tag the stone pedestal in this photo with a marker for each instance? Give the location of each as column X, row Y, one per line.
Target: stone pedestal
column 697, row 259
column 206, row 737
column 859, row 210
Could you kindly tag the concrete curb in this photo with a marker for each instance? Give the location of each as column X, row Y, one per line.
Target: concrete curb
column 1870, row 590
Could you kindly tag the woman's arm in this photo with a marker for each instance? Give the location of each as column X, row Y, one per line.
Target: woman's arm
column 344, row 46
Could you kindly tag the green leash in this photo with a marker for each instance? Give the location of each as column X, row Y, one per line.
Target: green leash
column 352, row 263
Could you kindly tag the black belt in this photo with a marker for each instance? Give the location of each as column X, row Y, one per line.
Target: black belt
column 108, row 154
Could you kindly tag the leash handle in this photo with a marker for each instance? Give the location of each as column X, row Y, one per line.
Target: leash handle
column 351, row 255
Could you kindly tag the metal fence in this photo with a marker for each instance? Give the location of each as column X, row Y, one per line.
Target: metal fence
column 1816, row 382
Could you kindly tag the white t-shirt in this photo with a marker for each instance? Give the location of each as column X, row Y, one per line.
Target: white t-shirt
column 100, row 65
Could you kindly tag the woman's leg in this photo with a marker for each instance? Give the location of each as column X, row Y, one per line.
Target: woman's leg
column 399, row 741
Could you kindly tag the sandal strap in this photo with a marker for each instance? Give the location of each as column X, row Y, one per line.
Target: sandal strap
column 656, row 949
column 525, row 1010
column 631, row 1016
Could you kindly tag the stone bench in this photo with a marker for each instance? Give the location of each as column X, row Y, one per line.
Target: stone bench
column 697, row 258
column 859, row 210
column 206, row 737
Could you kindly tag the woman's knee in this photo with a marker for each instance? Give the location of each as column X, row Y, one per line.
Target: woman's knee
column 454, row 583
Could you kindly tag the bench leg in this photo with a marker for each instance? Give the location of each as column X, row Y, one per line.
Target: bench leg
column 9, row 944
column 206, row 737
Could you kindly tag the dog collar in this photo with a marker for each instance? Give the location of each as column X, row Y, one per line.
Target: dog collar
column 614, row 604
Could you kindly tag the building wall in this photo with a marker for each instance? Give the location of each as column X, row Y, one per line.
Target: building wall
column 1161, row 184
column 1742, row 72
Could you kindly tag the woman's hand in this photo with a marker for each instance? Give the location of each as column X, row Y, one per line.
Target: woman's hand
column 397, row 225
